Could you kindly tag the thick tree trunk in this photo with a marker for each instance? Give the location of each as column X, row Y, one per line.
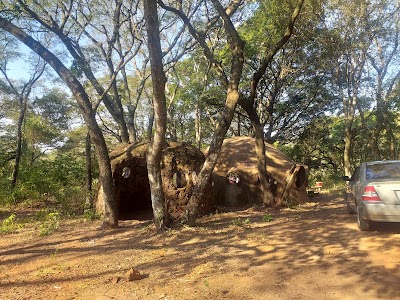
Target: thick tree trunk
column 212, row 156
column 160, row 112
column 110, row 218
column 268, row 198
column 248, row 105
column 347, row 151
column 232, row 97
column 89, row 178
column 18, row 151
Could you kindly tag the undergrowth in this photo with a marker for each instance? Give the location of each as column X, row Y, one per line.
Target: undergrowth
column 10, row 225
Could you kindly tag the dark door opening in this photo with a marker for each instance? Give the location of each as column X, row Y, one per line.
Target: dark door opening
column 133, row 194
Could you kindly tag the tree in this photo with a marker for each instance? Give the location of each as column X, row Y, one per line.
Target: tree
column 153, row 158
column 230, row 78
column 248, row 105
column 21, row 92
column 88, row 113
column 359, row 30
column 383, row 22
column 231, row 85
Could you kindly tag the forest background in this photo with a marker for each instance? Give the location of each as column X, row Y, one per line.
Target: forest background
column 319, row 79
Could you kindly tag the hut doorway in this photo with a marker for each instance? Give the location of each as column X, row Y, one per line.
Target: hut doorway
column 133, row 190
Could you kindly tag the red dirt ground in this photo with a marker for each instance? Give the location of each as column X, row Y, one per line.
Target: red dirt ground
column 312, row 252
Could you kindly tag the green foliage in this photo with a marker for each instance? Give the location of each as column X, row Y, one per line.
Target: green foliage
column 55, row 107
column 50, row 224
column 240, row 222
column 9, row 225
column 91, row 214
column 59, row 180
column 267, row 218
column 209, row 98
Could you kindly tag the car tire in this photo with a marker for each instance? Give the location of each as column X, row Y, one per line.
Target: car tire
column 363, row 224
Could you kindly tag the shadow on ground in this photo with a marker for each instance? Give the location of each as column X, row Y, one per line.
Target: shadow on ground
column 240, row 245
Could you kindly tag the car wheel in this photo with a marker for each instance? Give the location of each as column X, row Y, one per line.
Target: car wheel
column 363, row 224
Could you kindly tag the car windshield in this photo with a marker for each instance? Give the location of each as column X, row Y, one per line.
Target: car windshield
column 383, row 171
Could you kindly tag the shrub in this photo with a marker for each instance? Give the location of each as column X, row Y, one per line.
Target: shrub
column 91, row 214
column 240, row 222
column 267, row 218
column 9, row 225
column 50, row 224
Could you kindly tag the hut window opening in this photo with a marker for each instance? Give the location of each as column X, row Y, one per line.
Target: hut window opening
column 233, row 177
column 179, row 180
column 126, row 172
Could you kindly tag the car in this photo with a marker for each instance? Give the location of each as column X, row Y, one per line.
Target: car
column 373, row 192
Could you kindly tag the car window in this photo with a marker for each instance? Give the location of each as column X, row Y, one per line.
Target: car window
column 383, row 171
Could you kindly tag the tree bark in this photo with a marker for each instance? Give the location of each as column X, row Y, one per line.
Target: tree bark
column 347, row 150
column 267, row 196
column 18, row 151
column 160, row 113
column 149, row 131
column 131, row 124
column 89, row 178
column 110, row 218
column 197, row 125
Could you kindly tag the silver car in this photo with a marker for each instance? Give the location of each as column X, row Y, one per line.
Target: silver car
column 373, row 192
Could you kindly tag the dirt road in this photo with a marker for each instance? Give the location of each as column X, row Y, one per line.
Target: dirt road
column 312, row 252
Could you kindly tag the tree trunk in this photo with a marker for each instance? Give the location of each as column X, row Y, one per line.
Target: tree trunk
column 160, row 112
column 149, row 133
column 247, row 104
column 131, row 124
column 110, row 218
column 197, row 125
column 212, row 156
column 268, row 198
column 89, row 179
column 347, row 150
column 392, row 143
column 239, row 132
column 232, row 97
column 172, row 132
column 18, row 151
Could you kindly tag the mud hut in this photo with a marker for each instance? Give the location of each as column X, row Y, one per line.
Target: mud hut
column 180, row 165
column 236, row 181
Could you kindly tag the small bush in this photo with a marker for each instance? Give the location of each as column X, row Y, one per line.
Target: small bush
column 50, row 224
column 267, row 218
column 9, row 225
column 241, row 222
column 41, row 215
column 91, row 214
